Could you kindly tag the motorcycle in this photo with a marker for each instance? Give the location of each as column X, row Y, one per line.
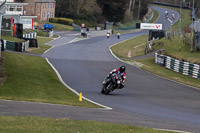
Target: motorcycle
column 113, row 82
column 108, row 35
column 118, row 35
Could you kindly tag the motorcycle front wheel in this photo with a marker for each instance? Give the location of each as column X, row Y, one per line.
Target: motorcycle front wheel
column 108, row 89
column 103, row 91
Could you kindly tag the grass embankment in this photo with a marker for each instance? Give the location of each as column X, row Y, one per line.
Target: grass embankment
column 133, row 23
column 149, row 65
column 41, row 45
column 131, row 48
column 12, row 39
column 48, row 125
column 30, row 78
column 125, row 26
column 57, row 26
column 155, row 16
column 171, row 48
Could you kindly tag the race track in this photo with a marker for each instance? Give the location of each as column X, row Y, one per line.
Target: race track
column 153, row 101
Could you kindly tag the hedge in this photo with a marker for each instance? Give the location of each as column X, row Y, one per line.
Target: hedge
column 53, row 20
column 65, row 21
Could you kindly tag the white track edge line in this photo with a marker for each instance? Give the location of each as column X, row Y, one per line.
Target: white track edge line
column 72, row 40
column 48, row 49
column 60, row 78
column 150, row 73
column 53, row 39
column 178, row 131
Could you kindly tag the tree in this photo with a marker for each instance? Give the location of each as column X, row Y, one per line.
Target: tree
column 82, row 9
column 113, row 10
column 102, row 10
column 135, row 10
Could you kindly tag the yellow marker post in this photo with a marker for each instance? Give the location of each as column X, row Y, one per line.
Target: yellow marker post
column 80, row 97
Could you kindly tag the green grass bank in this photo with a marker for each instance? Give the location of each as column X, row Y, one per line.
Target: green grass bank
column 135, row 47
column 30, row 78
column 48, row 125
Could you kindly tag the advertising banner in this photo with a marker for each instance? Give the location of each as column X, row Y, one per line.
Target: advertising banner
column 150, row 26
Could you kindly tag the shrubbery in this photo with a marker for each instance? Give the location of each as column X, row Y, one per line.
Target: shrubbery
column 65, row 21
column 53, row 20
column 41, row 33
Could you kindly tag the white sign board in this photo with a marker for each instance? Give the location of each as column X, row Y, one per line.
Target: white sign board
column 150, row 26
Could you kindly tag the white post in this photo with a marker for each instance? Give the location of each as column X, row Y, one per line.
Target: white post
column 0, row 31
column 192, row 31
column 180, row 26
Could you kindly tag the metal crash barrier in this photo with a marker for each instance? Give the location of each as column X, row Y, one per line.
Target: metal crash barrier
column 182, row 67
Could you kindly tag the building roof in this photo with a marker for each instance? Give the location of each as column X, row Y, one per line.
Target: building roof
column 17, row 4
column 47, row 0
column 17, row 16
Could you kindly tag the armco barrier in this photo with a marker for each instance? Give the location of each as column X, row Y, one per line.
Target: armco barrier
column 30, row 35
column 182, row 67
column 14, row 46
column 32, row 42
column 10, row 45
column 2, row 45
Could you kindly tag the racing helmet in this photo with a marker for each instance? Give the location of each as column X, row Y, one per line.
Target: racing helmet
column 122, row 69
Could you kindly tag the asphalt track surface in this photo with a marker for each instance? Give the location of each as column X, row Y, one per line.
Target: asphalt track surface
column 146, row 100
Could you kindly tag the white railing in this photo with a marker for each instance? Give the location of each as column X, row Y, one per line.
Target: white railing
column 8, row 0
column 14, row 13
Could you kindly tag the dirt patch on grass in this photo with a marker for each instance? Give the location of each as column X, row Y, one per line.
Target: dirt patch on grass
column 30, row 49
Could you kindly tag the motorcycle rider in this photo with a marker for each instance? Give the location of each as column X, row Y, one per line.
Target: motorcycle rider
column 118, row 35
column 120, row 72
column 108, row 34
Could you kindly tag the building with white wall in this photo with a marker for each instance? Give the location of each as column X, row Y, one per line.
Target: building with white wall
column 16, row 13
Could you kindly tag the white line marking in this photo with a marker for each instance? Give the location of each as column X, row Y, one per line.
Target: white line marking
column 48, row 49
column 60, row 78
column 150, row 73
column 146, row 71
column 53, row 39
column 77, row 39
column 51, row 104
column 72, row 40
column 172, row 130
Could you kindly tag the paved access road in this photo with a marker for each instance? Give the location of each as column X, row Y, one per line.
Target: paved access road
column 147, row 100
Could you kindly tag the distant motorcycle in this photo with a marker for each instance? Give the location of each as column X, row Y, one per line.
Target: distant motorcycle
column 108, row 35
column 118, row 35
column 111, row 83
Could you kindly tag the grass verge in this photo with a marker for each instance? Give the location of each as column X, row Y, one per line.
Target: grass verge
column 41, row 45
column 48, row 125
column 30, row 78
column 130, row 48
column 149, row 65
column 155, row 16
column 57, row 26
column 134, row 47
column 172, row 49
column 13, row 39
column 133, row 23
